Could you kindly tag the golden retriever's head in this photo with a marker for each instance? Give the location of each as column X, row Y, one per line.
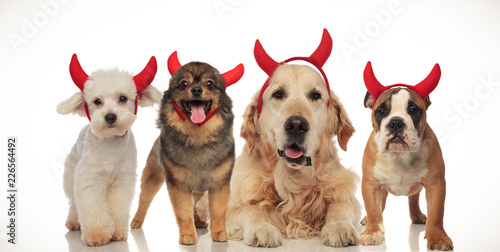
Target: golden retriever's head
column 295, row 117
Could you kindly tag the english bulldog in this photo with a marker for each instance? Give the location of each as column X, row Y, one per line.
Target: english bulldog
column 403, row 156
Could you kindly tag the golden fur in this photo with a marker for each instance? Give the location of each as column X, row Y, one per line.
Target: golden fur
column 269, row 200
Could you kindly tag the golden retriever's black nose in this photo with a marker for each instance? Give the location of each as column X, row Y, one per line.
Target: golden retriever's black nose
column 196, row 91
column 110, row 118
column 296, row 125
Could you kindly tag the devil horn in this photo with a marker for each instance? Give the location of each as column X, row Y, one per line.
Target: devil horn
column 77, row 74
column 371, row 82
column 324, row 49
column 143, row 79
column 173, row 63
column 234, row 75
column 264, row 61
column 425, row 87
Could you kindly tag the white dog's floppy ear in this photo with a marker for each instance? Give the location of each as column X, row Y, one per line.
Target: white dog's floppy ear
column 149, row 97
column 248, row 128
column 343, row 129
column 74, row 105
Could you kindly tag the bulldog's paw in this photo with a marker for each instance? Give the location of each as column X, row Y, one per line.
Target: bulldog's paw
column 439, row 241
column 371, row 236
column 418, row 219
column 364, row 221
column 188, row 239
column 263, row 235
column 339, row 234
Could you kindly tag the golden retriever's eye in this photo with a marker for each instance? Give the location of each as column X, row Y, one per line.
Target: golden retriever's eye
column 278, row 95
column 123, row 99
column 97, row 102
column 315, row 96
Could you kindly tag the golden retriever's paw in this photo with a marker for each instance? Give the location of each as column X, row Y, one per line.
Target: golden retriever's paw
column 135, row 224
column 263, row 235
column 187, row 239
column 439, row 241
column 371, row 238
column 120, row 235
column 339, row 234
column 418, row 219
column 220, row 236
column 235, row 232
column 364, row 221
column 73, row 226
column 95, row 238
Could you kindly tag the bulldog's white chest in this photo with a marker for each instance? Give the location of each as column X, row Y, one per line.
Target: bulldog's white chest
column 399, row 172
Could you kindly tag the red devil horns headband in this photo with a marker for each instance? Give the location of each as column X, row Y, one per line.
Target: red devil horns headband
column 142, row 80
column 230, row 77
column 423, row 89
column 317, row 58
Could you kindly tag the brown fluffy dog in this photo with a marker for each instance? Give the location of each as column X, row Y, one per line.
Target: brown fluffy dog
column 192, row 158
column 274, row 197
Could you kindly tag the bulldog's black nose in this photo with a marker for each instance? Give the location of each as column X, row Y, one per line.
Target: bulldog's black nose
column 396, row 125
column 110, row 118
column 196, row 91
column 296, row 125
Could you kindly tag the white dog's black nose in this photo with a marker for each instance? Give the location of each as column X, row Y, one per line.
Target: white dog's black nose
column 196, row 91
column 296, row 125
column 110, row 118
column 396, row 125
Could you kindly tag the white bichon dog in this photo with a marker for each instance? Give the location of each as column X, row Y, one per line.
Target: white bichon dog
column 100, row 170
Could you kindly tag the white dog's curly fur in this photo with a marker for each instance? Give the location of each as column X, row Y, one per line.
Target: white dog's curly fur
column 100, row 170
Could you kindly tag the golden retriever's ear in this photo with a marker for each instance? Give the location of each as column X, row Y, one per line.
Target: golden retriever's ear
column 248, row 130
column 344, row 128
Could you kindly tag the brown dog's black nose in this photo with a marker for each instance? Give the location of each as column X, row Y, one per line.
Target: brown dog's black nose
column 110, row 118
column 196, row 91
column 296, row 125
column 396, row 125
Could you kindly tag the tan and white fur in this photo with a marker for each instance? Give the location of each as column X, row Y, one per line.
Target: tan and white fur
column 275, row 197
column 100, row 171
column 403, row 156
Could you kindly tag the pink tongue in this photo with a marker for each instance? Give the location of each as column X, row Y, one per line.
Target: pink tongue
column 197, row 113
column 293, row 153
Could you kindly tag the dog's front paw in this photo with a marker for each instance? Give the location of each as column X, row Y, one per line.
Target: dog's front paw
column 439, row 241
column 339, row 234
column 263, row 235
column 418, row 219
column 220, row 236
column 135, row 224
column 371, row 236
column 120, row 235
column 73, row 226
column 187, row 239
column 96, row 238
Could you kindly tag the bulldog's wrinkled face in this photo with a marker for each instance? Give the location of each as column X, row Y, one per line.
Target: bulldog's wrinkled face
column 399, row 119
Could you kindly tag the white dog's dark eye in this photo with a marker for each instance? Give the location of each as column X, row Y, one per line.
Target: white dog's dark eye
column 278, row 94
column 315, row 96
column 97, row 102
column 123, row 99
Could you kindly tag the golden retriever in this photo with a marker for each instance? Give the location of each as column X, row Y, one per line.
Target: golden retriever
column 301, row 191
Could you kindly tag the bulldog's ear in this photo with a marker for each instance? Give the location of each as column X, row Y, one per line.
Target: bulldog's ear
column 248, row 128
column 344, row 129
column 427, row 101
column 368, row 100
column 74, row 105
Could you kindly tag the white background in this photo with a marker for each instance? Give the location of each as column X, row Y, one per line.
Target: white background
column 402, row 38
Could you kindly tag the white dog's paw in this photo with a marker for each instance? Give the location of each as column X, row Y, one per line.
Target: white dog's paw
column 73, row 225
column 120, row 235
column 339, row 234
column 371, row 238
column 263, row 234
column 94, row 238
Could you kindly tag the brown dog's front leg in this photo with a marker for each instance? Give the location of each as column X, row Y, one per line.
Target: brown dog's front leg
column 372, row 196
column 182, row 203
column 218, row 198
column 434, row 231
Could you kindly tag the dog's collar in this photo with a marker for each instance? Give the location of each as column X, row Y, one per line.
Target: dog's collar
column 210, row 115
column 307, row 59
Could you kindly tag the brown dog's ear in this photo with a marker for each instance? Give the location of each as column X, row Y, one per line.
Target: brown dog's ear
column 74, row 105
column 248, row 129
column 427, row 101
column 369, row 100
column 344, row 129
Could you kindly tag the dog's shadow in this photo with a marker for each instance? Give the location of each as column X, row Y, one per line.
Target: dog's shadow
column 75, row 244
column 413, row 236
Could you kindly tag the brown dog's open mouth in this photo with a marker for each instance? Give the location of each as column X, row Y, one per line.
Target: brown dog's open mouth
column 295, row 154
column 197, row 109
